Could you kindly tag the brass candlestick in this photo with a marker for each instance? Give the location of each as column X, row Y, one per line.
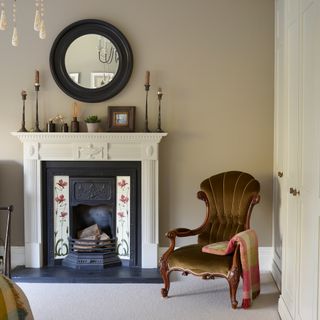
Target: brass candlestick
column 23, row 124
column 160, row 94
column 146, row 128
column 37, row 87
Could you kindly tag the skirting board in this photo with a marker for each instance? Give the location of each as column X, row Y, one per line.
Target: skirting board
column 276, row 274
column 265, row 257
column 283, row 310
column 17, row 255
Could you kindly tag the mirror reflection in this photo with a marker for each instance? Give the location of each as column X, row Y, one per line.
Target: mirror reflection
column 92, row 61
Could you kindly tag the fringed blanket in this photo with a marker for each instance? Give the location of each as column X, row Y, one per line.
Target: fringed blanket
column 249, row 261
column 13, row 302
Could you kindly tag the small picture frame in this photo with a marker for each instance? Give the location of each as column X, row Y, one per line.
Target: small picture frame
column 121, row 119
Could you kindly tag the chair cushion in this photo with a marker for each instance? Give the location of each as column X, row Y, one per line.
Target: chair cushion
column 191, row 258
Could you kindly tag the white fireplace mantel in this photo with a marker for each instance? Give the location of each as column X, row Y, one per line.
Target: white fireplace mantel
column 84, row 146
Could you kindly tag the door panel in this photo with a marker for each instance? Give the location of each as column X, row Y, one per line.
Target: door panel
column 291, row 239
column 310, row 161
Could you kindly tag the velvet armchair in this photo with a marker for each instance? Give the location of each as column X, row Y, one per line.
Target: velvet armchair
column 229, row 198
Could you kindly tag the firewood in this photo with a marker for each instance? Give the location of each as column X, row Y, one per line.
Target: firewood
column 104, row 240
column 89, row 231
column 104, row 236
column 81, row 244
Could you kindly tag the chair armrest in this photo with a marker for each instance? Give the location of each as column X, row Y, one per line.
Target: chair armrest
column 184, row 232
column 181, row 232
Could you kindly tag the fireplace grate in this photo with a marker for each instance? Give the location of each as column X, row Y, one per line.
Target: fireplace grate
column 92, row 254
column 85, row 245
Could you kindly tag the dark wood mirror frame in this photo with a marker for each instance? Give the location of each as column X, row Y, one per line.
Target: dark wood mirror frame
column 58, row 67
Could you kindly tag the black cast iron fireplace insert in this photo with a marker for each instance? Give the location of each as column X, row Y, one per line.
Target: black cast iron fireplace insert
column 92, row 204
column 92, row 201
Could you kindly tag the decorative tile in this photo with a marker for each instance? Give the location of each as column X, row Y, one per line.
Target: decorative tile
column 123, row 216
column 61, row 216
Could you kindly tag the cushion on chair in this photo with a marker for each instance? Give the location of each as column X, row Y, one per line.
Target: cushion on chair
column 192, row 258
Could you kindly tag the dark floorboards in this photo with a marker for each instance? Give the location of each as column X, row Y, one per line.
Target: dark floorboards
column 60, row 274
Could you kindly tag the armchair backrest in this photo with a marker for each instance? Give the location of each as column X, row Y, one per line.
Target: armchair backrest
column 231, row 197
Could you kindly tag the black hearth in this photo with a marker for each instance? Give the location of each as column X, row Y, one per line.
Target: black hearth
column 92, row 200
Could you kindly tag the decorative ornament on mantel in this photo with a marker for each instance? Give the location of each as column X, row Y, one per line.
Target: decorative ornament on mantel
column 160, row 94
column 39, row 25
column 37, row 88
column 23, row 123
column 147, row 87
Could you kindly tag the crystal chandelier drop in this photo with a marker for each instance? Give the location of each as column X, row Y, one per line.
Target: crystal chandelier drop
column 39, row 25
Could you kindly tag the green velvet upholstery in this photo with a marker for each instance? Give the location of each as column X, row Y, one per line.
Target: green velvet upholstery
column 229, row 194
column 191, row 258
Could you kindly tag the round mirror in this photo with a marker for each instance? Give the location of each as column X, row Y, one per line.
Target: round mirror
column 91, row 60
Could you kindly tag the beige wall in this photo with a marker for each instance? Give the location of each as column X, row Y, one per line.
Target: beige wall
column 214, row 61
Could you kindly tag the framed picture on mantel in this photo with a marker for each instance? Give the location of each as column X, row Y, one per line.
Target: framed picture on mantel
column 121, row 119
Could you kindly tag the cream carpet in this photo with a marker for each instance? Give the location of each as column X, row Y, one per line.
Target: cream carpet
column 190, row 298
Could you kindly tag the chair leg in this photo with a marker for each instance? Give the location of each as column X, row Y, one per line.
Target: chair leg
column 165, row 273
column 233, row 280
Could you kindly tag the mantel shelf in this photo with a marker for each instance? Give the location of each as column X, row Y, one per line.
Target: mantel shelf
column 65, row 137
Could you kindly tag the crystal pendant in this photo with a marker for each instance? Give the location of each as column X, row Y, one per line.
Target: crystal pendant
column 3, row 20
column 15, row 40
column 42, row 32
column 37, row 21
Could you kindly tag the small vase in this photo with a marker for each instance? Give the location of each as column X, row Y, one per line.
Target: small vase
column 75, row 125
column 93, row 127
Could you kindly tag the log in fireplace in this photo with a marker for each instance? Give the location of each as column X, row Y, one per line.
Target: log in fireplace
column 101, row 195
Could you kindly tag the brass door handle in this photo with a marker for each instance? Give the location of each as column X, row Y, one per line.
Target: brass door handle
column 294, row 192
column 280, row 174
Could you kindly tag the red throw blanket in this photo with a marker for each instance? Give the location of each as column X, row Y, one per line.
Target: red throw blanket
column 249, row 261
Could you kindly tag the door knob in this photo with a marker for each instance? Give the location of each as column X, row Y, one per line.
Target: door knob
column 280, row 174
column 294, row 192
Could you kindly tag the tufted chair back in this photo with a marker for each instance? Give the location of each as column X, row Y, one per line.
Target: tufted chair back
column 230, row 195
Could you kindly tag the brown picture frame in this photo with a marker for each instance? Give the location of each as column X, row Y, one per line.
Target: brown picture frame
column 121, row 119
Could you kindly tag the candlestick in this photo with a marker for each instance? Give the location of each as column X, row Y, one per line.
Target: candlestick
column 147, row 78
column 37, row 87
column 37, row 78
column 146, row 128
column 24, row 98
column 160, row 94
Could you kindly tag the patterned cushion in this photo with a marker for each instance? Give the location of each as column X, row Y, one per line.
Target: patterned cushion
column 14, row 304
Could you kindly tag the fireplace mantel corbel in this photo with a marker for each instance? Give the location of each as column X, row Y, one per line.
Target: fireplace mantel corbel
column 84, row 146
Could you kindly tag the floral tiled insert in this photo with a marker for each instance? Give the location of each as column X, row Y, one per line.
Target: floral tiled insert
column 61, row 216
column 123, row 216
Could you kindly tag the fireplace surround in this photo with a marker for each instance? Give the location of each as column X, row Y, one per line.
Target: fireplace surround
column 39, row 147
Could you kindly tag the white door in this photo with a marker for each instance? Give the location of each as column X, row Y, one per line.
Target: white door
column 280, row 138
column 310, row 175
column 291, row 239
column 300, row 268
